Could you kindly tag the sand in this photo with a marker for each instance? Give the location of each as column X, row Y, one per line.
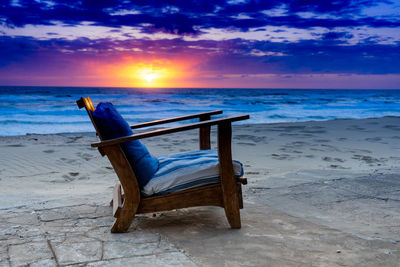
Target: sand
column 341, row 176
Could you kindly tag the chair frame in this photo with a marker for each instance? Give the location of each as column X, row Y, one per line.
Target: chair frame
column 226, row 194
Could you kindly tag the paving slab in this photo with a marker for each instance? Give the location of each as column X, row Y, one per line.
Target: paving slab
column 79, row 251
column 165, row 259
column 30, row 253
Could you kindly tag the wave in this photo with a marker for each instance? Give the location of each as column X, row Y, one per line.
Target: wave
column 53, row 109
column 7, row 122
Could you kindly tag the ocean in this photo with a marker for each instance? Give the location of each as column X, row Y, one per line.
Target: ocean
column 44, row 110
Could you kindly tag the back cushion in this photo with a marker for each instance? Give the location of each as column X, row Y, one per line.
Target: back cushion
column 110, row 125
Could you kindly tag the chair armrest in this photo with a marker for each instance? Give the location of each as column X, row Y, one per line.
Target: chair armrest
column 174, row 119
column 170, row 130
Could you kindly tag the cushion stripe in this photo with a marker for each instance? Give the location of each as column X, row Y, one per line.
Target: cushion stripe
column 185, row 170
column 173, row 166
column 212, row 180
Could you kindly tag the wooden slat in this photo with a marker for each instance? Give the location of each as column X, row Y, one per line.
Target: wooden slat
column 229, row 187
column 117, row 200
column 208, row 195
column 88, row 104
column 170, row 130
column 204, row 134
column 174, row 119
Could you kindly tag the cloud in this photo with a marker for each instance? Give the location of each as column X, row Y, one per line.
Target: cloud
column 244, row 39
column 337, row 35
column 236, row 56
column 191, row 17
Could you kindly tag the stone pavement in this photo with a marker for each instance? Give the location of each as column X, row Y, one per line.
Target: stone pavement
column 78, row 235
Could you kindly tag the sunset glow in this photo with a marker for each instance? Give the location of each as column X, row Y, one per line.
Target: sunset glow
column 141, row 72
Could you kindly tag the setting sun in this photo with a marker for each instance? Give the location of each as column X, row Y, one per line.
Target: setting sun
column 149, row 77
column 152, row 74
column 149, row 74
column 144, row 73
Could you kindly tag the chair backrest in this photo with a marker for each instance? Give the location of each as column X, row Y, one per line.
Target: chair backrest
column 121, row 165
column 86, row 102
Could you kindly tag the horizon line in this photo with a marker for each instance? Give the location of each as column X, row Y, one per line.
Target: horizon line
column 235, row 88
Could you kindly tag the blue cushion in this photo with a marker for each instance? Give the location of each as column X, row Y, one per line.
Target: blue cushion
column 110, row 125
column 186, row 170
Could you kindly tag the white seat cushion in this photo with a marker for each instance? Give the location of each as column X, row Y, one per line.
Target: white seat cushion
column 182, row 171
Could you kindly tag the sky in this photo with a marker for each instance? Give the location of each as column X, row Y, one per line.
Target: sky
column 343, row 44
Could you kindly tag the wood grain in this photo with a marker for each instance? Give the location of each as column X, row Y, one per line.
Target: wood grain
column 117, row 200
column 88, row 104
column 204, row 134
column 130, row 186
column 229, row 187
column 208, row 195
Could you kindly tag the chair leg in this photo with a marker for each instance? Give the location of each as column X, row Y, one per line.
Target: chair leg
column 130, row 201
column 232, row 212
column 229, row 188
column 123, row 221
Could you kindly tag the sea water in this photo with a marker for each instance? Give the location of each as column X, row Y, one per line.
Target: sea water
column 53, row 109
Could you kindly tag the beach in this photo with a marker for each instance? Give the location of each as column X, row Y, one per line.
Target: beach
column 312, row 89
column 322, row 193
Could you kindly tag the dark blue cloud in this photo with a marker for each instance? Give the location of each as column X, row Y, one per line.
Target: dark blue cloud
column 333, row 7
column 236, row 56
column 336, row 35
column 190, row 17
column 326, row 51
column 16, row 49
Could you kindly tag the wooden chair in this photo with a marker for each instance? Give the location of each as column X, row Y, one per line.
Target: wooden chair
column 226, row 194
